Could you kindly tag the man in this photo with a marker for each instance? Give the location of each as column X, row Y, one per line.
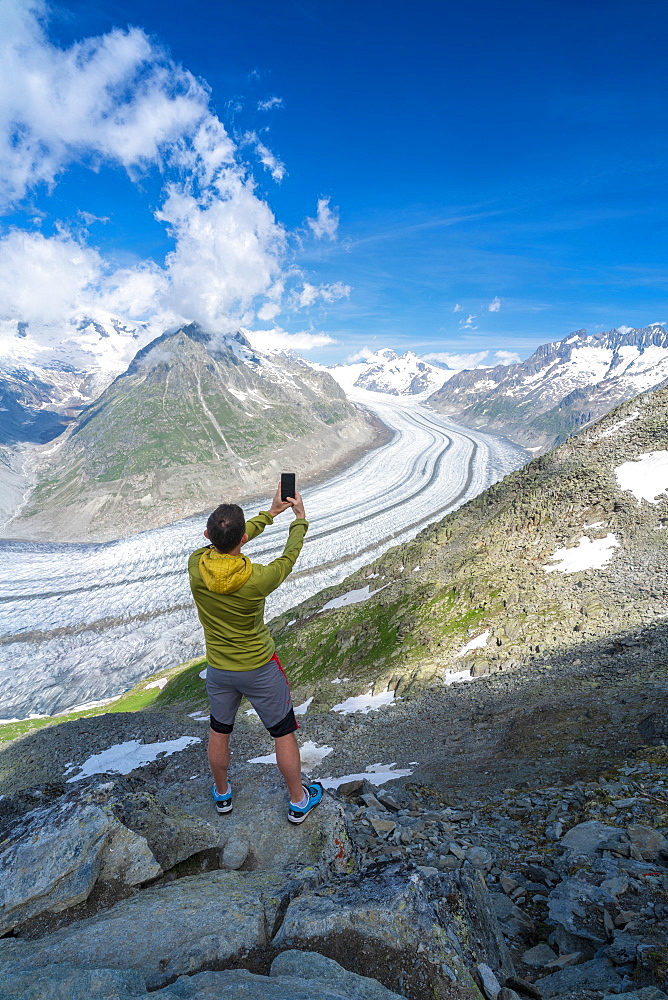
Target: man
column 230, row 594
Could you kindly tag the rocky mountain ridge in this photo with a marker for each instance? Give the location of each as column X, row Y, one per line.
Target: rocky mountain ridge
column 561, row 388
column 191, row 418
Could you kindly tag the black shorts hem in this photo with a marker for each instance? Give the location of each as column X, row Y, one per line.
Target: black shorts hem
column 286, row 726
column 220, row 727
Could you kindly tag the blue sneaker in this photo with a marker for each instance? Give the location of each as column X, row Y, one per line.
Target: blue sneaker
column 223, row 802
column 297, row 814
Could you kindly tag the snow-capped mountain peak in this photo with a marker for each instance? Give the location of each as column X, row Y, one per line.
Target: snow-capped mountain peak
column 386, row 371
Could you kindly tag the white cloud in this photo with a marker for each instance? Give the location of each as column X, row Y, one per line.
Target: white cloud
column 270, row 103
column 474, row 359
column 280, row 340
column 457, row 308
column 326, row 221
column 266, row 157
column 495, row 305
column 120, row 99
column 361, row 355
column 116, row 97
column 468, row 324
column 506, row 357
column 328, row 293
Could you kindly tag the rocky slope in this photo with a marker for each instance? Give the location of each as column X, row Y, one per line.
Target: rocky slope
column 562, row 387
column 191, row 420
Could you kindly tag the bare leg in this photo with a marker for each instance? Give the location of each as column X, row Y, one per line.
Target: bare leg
column 219, row 758
column 290, row 765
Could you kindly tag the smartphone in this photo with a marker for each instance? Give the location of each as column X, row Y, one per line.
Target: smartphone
column 288, row 486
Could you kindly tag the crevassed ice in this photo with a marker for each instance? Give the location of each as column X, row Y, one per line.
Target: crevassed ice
column 125, row 757
column 646, row 478
column 587, row 554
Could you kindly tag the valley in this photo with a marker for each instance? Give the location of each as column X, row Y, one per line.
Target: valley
column 112, row 614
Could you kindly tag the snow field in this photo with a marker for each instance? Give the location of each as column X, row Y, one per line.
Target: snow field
column 125, row 757
column 646, row 478
column 587, row 554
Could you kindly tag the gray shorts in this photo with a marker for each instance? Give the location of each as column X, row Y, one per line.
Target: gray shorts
column 267, row 690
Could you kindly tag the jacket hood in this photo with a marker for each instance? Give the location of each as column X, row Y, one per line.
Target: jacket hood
column 223, row 573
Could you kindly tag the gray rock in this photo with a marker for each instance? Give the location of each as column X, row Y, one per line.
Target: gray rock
column 597, row 974
column 61, row 982
column 397, row 923
column 235, row 852
column 239, row 984
column 514, row 922
column 647, row 993
column 52, row 857
column 479, row 857
column 577, row 906
column 167, row 930
column 623, row 948
column 651, row 844
column 539, row 956
column 312, row 966
column 490, row 984
column 260, row 819
column 590, row 837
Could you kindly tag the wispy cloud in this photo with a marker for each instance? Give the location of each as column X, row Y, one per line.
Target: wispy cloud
column 473, row 359
column 495, row 305
column 468, row 324
column 457, row 308
column 280, row 340
column 268, row 159
column 326, row 222
column 309, row 294
column 270, row 103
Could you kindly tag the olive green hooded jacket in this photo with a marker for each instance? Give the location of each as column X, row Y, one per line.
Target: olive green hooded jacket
column 230, row 594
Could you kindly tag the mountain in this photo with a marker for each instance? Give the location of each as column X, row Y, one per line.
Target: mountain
column 561, row 563
column 192, row 419
column 386, row 371
column 45, row 379
column 562, row 387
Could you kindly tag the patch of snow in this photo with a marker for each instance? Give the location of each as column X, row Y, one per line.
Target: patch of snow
column 646, row 478
column 199, row 716
column 26, row 718
column 417, row 569
column 477, row 643
column 293, row 622
column 125, row 757
column 595, row 524
column 352, row 597
column 340, row 680
column 587, row 554
column 160, row 683
column 373, row 576
column 251, row 711
column 88, row 704
column 202, row 673
column 376, row 774
column 303, row 708
column 311, row 755
column 364, row 703
column 457, row 677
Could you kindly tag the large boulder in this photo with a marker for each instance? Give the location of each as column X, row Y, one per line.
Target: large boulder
column 51, row 858
column 418, row 933
column 294, row 975
column 193, row 923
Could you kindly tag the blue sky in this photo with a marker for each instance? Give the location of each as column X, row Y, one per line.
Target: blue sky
column 490, row 175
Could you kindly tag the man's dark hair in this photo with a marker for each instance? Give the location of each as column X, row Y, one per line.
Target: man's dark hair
column 226, row 526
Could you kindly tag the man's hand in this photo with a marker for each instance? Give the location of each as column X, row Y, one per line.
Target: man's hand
column 297, row 505
column 278, row 505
